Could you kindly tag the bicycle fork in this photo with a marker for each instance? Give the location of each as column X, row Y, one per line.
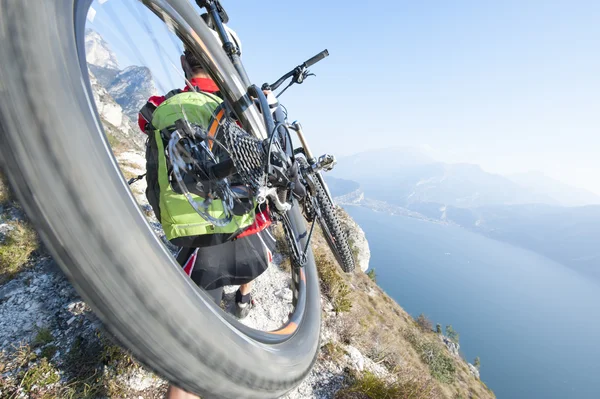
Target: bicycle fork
column 325, row 162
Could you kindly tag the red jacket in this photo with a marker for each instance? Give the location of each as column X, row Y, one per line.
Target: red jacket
column 262, row 220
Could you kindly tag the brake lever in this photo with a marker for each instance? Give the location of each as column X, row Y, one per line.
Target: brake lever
column 302, row 75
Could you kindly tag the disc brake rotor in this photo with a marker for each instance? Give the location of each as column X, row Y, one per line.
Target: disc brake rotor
column 191, row 159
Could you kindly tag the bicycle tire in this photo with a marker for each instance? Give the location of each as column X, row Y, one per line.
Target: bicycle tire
column 334, row 233
column 61, row 168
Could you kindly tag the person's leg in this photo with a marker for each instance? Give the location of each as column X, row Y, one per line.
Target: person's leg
column 182, row 258
column 246, row 288
column 177, row 393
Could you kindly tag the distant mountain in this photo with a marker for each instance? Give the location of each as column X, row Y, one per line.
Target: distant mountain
column 525, row 215
column 104, row 75
column 339, row 187
column 364, row 166
column 116, row 125
column 98, row 52
column 564, row 194
column 129, row 87
column 404, row 177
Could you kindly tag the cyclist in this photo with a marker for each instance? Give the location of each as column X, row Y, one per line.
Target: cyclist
column 206, row 255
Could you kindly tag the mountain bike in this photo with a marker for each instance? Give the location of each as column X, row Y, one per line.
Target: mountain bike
column 60, row 165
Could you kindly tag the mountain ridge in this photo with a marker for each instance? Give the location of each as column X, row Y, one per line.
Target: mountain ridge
column 565, row 194
column 567, row 235
column 129, row 87
column 404, row 175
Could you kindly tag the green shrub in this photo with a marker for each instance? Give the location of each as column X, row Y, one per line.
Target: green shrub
column 332, row 283
column 441, row 365
column 91, row 367
column 434, row 354
column 19, row 243
column 40, row 376
column 49, row 351
column 43, row 337
column 282, row 247
column 451, row 333
column 371, row 274
column 438, row 328
column 5, row 194
column 354, row 249
column 333, row 352
column 477, row 363
column 424, row 323
column 369, row 386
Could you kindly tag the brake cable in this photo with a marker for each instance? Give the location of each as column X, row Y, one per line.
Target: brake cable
column 304, row 73
column 305, row 250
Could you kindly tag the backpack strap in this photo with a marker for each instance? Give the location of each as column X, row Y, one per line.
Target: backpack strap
column 172, row 93
column 146, row 112
column 148, row 109
column 213, row 126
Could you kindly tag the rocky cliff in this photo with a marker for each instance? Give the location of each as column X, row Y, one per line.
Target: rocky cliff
column 98, row 52
column 129, row 87
column 51, row 344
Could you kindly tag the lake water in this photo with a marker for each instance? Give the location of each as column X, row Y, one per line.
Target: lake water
column 534, row 323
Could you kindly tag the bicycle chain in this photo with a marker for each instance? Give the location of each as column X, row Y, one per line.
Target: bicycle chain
column 248, row 155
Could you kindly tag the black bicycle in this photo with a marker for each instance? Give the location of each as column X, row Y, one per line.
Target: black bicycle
column 60, row 164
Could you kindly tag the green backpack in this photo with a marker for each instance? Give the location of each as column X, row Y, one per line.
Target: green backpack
column 182, row 225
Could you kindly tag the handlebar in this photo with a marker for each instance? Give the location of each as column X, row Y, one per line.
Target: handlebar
column 296, row 71
column 316, row 58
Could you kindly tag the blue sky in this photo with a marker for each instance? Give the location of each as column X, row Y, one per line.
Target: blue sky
column 513, row 86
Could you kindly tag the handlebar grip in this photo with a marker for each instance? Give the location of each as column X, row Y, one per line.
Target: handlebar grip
column 316, row 58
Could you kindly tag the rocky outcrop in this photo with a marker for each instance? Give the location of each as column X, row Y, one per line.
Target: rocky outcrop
column 131, row 88
column 42, row 299
column 453, row 347
column 473, row 370
column 98, row 52
column 356, row 239
column 115, row 123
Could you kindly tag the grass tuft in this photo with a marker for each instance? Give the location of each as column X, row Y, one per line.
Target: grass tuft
column 19, row 243
column 332, row 351
column 372, row 275
column 49, row 351
column 5, row 193
column 43, row 337
column 424, row 323
column 441, row 366
column 282, row 247
column 39, row 376
column 332, row 283
column 369, row 386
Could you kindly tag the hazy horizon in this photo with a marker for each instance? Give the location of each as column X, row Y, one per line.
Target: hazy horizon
column 428, row 152
column 513, row 87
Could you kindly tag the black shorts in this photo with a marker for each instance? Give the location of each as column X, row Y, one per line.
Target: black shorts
column 231, row 263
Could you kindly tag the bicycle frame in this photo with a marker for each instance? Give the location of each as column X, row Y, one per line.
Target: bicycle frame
column 211, row 55
column 276, row 120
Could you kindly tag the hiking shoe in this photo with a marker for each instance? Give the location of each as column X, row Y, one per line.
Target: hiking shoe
column 243, row 309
